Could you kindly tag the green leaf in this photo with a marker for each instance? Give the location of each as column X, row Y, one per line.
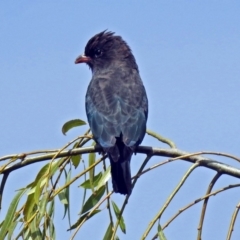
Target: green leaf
column 11, row 229
column 91, row 161
column 71, row 124
column 117, row 213
column 109, row 232
column 51, row 209
column 52, row 232
column 46, row 172
column 35, row 231
column 93, row 199
column 38, row 190
column 75, row 225
column 30, row 203
column 42, row 206
column 26, row 234
column 67, row 193
column 160, row 233
column 84, row 192
column 105, row 177
column 62, row 197
column 10, row 214
column 76, row 160
column 96, row 180
column 43, row 173
column 64, row 194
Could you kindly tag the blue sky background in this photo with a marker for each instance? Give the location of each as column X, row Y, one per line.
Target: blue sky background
column 188, row 53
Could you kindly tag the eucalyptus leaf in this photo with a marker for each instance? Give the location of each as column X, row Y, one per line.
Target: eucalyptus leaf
column 71, row 124
column 28, row 209
column 35, row 231
column 121, row 220
column 105, row 177
column 11, row 229
column 10, row 214
column 91, row 161
column 88, row 185
column 109, row 232
column 160, row 233
column 75, row 225
column 93, row 199
column 76, row 160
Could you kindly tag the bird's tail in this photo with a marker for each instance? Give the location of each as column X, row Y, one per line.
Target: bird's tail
column 120, row 156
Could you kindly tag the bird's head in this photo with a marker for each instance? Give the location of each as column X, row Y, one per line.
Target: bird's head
column 104, row 50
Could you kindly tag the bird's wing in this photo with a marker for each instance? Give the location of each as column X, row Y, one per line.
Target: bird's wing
column 111, row 115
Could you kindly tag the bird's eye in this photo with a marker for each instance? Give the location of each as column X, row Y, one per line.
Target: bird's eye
column 98, row 52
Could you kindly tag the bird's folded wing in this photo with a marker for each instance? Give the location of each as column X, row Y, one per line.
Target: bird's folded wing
column 117, row 117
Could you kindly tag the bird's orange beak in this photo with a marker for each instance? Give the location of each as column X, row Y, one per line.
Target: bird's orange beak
column 82, row 59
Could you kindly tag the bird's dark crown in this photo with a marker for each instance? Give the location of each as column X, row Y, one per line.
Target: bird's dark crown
column 105, row 47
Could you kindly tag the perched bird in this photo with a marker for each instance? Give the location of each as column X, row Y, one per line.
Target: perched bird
column 116, row 103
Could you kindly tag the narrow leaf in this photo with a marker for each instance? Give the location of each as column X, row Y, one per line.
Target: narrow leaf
column 76, row 160
column 43, row 173
column 64, row 194
column 51, row 208
column 84, row 192
column 30, row 203
column 35, row 232
column 75, row 225
column 109, row 232
column 52, row 232
column 42, row 206
column 91, row 161
column 62, row 197
column 38, row 190
column 26, row 234
column 67, row 193
column 105, row 177
column 87, row 183
column 160, row 233
column 117, row 213
column 10, row 213
column 93, row 199
column 71, row 124
column 11, row 229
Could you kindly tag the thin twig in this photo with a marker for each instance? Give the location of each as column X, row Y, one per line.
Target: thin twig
column 153, row 167
column 161, row 138
column 195, row 202
column 159, row 214
column 172, row 153
column 23, row 155
column 204, row 207
column 219, row 154
column 233, row 220
column 3, row 182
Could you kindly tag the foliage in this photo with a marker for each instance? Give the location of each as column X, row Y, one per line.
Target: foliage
column 31, row 211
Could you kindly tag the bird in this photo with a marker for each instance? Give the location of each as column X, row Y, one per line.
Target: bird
column 116, row 103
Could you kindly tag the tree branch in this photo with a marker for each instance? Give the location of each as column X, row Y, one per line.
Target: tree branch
column 153, row 151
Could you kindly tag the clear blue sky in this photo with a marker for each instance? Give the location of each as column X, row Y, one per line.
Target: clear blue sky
column 188, row 53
